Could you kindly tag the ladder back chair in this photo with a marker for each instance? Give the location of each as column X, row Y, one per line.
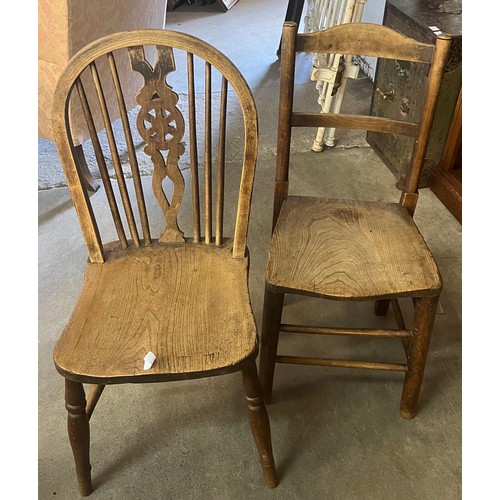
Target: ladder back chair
column 353, row 250
column 149, row 288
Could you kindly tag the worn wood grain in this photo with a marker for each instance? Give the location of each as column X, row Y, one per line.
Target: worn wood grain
column 162, row 299
column 134, row 165
column 349, row 250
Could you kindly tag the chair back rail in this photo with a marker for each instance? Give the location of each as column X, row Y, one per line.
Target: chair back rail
column 383, row 42
column 161, row 125
column 358, row 39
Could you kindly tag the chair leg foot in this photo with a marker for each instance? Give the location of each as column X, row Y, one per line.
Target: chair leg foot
column 259, row 423
column 407, row 415
column 423, row 320
column 79, row 434
column 271, row 319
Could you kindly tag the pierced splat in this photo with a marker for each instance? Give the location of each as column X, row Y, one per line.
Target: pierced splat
column 161, row 125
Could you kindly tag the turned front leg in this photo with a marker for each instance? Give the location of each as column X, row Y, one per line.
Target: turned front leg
column 259, row 423
column 79, row 434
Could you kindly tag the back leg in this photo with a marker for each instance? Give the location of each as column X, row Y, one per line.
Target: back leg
column 424, row 314
column 271, row 320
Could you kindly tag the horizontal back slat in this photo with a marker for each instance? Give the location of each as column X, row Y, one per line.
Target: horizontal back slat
column 359, row 39
column 351, row 39
column 355, row 122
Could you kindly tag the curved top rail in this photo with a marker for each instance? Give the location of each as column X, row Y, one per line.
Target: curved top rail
column 350, row 38
column 154, row 37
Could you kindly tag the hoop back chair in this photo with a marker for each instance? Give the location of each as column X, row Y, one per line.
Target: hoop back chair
column 353, row 250
column 184, row 299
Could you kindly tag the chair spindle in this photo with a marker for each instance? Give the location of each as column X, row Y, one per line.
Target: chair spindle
column 219, row 221
column 208, row 153
column 195, row 187
column 115, row 156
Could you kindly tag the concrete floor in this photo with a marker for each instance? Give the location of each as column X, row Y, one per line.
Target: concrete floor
column 336, row 433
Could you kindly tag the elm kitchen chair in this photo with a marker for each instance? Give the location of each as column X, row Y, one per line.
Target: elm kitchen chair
column 185, row 300
column 353, row 250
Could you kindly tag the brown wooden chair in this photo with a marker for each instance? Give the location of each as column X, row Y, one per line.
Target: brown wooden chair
column 353, row 250
column 184, row 299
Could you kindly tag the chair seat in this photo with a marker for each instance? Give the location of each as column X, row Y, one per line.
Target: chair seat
column 188, row 304
column 349, row 250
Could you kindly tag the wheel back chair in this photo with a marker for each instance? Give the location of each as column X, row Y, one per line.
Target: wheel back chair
column 183, row 299
column 353, row 250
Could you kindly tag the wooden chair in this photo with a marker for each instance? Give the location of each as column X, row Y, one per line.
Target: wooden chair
column 353, row 250
column 64, row 27
column 184, row 299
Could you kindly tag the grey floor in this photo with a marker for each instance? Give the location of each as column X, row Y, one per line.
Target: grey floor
column 336, row 433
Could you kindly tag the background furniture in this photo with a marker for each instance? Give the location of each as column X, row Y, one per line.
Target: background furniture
column 353, row 250
column 149, row 289
column 173, row 4
column 399, row 87
column 445, row 181
column 64, row 27
column 224, row 4
column 331, row 71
